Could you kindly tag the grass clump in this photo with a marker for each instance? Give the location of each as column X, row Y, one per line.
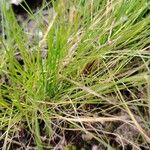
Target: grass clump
column 91, row 84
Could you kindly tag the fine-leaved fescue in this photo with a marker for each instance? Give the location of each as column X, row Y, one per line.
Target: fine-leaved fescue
column 96, row 71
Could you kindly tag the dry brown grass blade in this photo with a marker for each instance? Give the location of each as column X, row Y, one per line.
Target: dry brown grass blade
column 93, row 119
column 41, row 43
column 72, row 49
column 87, row 89
column 135, row 122
column 140, row 129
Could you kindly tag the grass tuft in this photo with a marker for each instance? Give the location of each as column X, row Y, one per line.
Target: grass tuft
column 84, row 70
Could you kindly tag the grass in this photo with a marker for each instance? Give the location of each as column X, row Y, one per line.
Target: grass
column 94, row 79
